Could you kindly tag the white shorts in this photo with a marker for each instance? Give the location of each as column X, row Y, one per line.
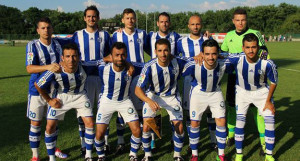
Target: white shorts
column 186, row 92
column 171, row 103
column 244, row 98
column 200, row 101
column 93, row 87
column 107, row 107
column 36, row 107
column 138, row 104
column 80, row 102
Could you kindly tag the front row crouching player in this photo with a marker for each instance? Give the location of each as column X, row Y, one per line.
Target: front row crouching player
column 114, row 97
column 252, row 88
column 70, row 95
column 205, row 93
column 162, row 75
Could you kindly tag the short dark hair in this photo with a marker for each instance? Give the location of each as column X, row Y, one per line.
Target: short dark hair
column 118, row 45
column 69, row 46
column 163, row 41
column 44, row 19
column 250, row 38
column 164, row 14
column 92, row 7
column 127, row 11
column 239, row 11
column 210, row 43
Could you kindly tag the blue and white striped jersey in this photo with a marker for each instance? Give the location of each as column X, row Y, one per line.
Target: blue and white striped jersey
column 136, row 43
column 208, row 80
column 115, row 85
column 252, row 76
column 39, row 54
column 162, row 80
column 92, row 46
column 190, row 47
column 70, row 83
column 154, row 36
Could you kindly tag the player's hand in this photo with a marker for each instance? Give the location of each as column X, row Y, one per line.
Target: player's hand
column 207, row 33
column 55, row 103
column 119, row 30
column 130, row 68
column 153, row 105
column 54, row 67
column 269, row 105
column 199, row 58
column 108, row 58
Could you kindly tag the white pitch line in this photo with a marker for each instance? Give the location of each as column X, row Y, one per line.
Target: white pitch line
column 294, row 70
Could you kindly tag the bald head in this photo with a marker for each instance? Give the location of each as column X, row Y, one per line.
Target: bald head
column 195, row 25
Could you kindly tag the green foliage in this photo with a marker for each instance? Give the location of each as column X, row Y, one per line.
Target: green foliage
column 269, row 19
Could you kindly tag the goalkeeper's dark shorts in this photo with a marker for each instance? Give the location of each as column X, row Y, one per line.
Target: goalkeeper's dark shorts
column 230, row 92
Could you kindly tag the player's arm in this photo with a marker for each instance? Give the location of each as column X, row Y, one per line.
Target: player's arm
column 269, row 105
column 188, row 68
column 43, row 82
column 141, row 95
column 142, row 82
column 272, row 75
column 54, row 67
column 32, row 61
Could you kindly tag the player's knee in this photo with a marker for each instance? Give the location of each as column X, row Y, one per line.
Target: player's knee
column 89, row 122
column 136, row 131
column 50, row 128
column 178, row 127
column 220, row 121
column 35, row 123
column 100, row 132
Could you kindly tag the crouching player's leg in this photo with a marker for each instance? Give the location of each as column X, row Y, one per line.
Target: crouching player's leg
column 266, row 108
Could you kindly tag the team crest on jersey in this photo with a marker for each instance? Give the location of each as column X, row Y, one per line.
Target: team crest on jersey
column 139, row 41
column 260, row 71
column 29, row 56
column 130, row 110
column 170, row 39
column 142, row 78
column 99, row 39
column 42, row 81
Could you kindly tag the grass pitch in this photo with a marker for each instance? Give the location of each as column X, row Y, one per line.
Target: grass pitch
column 14, row 144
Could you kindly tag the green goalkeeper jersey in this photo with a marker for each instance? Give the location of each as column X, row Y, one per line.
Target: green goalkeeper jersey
column 233, row 41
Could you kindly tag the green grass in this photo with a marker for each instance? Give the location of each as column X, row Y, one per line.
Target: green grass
column 14, row 144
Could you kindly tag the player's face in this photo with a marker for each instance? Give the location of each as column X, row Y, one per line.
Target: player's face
column 210, row 55
column 163, row 24
column 163, row 53
column 129, row 20
column 119, row 57
column 91, row 18
column 251, row 50
column 240, row 22
column 70, row 59
column 45, row 30
column 195, row 25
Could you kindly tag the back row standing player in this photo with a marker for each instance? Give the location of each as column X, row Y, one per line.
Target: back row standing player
column 233, row 44
column 93, row 45
column 41, row 55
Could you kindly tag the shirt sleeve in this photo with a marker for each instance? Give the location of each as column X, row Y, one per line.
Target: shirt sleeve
column 32, row 57
column 144, row 77
column 45, row 79
column 189, row 69
column 271, row 72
